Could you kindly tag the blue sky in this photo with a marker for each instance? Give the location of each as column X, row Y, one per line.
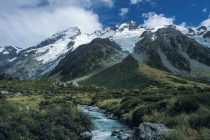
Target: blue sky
column 24, row 23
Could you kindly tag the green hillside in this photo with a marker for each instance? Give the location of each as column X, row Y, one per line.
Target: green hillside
column 131, row 74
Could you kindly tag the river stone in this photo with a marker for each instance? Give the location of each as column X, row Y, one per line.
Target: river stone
column 4, row 92
column 123, row 134
column 151, row 131
column 74, row 84
column 115, row 132
column 17, row 94
column 86, row 136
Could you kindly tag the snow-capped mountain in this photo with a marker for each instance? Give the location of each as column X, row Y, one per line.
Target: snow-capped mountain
column 170, row 50
column 40, row 60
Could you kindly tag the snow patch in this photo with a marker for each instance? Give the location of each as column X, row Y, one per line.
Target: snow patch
column 182, row 29
column 49, row 69
column 83, row 39
column 153, row 37
column 10, row 60
column 52, row 51
column 1, row 49
column 156, row 28
column 127, row 38
column 5, row 52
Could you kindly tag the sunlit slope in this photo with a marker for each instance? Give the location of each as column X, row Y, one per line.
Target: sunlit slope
column 131, row 74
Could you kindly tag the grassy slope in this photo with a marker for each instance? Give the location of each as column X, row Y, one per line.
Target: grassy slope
column 178, row 103
column 131, row 74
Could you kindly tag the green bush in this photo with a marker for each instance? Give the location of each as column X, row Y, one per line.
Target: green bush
column 171, row 123
column 198, row 122
column 138, row 114
column 186, row 105
column 128, row 103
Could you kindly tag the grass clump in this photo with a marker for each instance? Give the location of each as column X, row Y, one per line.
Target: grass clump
column 186, row 105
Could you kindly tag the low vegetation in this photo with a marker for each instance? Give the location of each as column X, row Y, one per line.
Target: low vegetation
column 48, row 111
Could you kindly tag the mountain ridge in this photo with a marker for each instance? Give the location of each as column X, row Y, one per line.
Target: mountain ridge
column 40, row 60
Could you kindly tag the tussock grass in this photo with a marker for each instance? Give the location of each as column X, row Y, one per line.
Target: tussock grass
column 31, row 101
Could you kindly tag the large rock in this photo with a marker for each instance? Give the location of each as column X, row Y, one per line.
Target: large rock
column 85, row 136
column 124, row 134
column 151, row 131
column 60, row 84
column 4, row 92
column 74, row 84
column 17, row 94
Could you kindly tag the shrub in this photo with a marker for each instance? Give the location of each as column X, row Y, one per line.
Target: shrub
column 187, row 105
column 174, row 135
column 171, row 123
column 128, row 103
column 137, row 116
column 198, row 122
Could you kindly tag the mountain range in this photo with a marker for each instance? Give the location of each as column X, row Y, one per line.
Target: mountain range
column 70, row 55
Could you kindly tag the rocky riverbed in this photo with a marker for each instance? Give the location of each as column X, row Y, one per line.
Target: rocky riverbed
column 107, row 127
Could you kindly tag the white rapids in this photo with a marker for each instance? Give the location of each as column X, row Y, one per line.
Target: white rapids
column 104, row 125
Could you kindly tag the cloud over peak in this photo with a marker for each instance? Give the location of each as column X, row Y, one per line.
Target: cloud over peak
column 25, row 23
column 153, row 20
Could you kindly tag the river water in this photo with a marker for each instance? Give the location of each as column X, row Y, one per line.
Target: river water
column 104, row 125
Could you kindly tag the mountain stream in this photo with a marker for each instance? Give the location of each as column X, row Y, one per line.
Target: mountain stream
column 104, row 125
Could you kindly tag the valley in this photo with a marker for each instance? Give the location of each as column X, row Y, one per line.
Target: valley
column 157, row 76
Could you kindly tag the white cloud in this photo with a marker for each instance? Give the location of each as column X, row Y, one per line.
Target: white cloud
column 144, row 1
column 154, row 20
column 27, row 29
column 135, row 1
column 25, row 23
column 183, row 24
column 109, row 3
column 206, row 23
column 204, row 10
column 123, row 11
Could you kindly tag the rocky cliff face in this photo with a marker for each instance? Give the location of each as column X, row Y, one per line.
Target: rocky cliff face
column 170, row 50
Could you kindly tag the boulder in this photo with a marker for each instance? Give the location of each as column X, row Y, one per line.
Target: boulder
column 4, row 92
column 123, row 134
column 60, row 84
column 115, row 132
column 17, row 94
column 74, row 84
column 151, row 131
column 85, row 135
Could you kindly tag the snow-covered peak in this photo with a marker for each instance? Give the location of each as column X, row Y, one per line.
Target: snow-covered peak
column 10, row 49
column 200, row 34
column 69, row 32
column 156, row 28
column 131, row 25
column 183, row 29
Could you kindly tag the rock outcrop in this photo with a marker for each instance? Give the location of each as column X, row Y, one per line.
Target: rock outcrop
column 151, row 131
